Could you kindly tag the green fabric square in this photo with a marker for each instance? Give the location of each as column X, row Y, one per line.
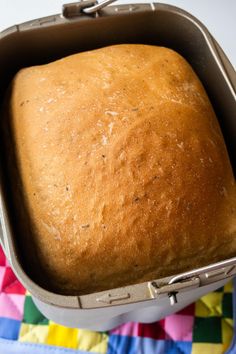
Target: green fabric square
column 207, row 330
column 227, row 305
column 220, row 290
column 32, row 314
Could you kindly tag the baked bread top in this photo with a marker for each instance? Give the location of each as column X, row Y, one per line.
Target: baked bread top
column 124, row 171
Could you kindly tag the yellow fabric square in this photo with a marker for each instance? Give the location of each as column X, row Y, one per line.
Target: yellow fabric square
column 33, row 333
column 209, row 305
column 62, row 336
column 227, row 333
column 201, row 310
column 92, row 341
column 229, row 321
column 228, row 288
column 203, row 348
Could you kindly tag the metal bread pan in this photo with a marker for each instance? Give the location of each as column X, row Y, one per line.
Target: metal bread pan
column 43, row 40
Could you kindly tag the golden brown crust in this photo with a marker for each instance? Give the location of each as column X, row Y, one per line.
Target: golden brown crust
column 124, row 169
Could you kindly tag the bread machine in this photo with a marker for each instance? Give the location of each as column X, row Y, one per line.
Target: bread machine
column 88, row 25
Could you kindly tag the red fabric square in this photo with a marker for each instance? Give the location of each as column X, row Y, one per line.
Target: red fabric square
column 15, row 288
column 187, row 311
column 10, row 284
column 9, row 278
column 154, row 330
column 2, row 257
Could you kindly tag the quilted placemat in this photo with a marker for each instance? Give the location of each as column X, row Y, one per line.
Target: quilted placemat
column 206, row 326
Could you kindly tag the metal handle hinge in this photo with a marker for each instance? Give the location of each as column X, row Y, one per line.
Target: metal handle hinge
column 88, row 7
column 171, row 290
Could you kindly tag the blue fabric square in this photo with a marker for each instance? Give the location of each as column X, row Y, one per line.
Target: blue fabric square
column 177, row 347
column 9, row 328
column 122, row 344
column 139, row 345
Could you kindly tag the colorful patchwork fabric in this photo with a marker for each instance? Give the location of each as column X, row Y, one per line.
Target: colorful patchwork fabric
column 206, row 326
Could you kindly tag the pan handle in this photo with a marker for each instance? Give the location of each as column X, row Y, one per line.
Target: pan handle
column 88, row 7
column 97, row 6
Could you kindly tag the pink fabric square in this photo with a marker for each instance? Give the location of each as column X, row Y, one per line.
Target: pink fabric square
column 179, row 327
column 7, row 263
column 12, row 306
column 127, row 329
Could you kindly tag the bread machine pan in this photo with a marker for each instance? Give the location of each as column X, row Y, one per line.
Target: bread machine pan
column 47, row 39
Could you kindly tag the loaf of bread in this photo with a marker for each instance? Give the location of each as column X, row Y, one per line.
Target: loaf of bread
column 123, row 171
